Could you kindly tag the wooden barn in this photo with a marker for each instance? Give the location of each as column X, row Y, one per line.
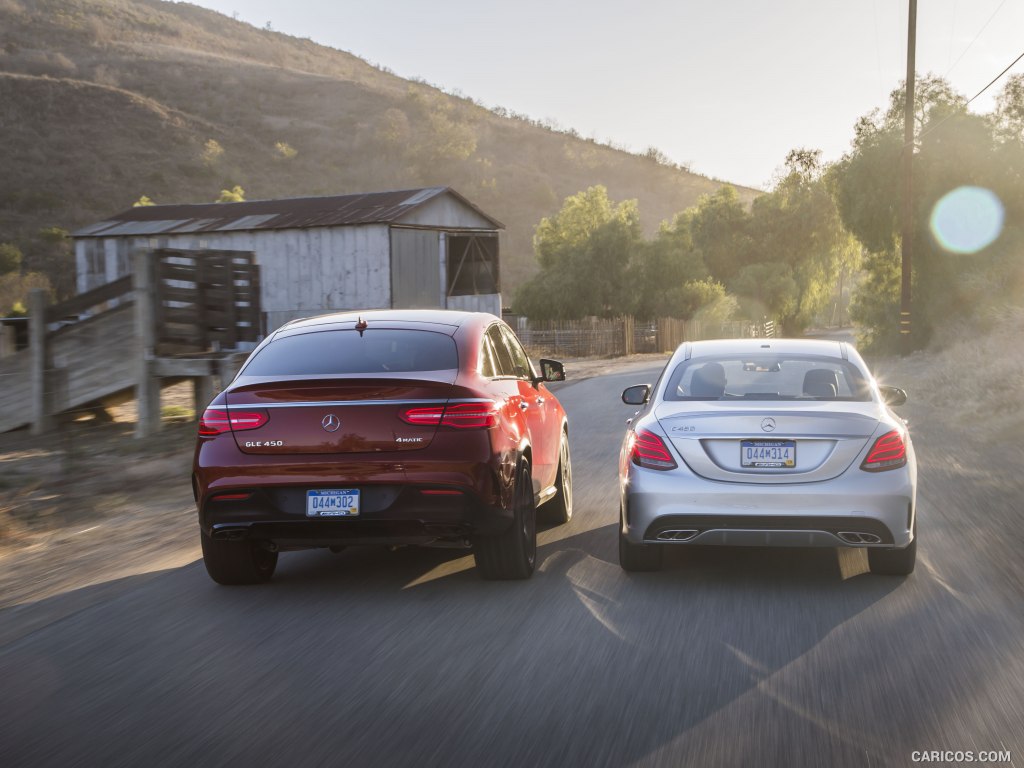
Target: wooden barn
column 408, row 249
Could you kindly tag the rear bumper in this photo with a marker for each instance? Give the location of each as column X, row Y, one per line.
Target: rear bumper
column 389, row 514
column 855, row 509
column 392, row 510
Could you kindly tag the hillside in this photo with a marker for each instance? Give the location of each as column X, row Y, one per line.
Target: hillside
column 108, row 100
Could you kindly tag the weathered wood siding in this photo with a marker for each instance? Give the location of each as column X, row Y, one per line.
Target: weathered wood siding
column 310, row 271
column 93, row 358
column 15, row 390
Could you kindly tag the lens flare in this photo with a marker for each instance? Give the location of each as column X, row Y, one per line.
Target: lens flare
column 967, row 219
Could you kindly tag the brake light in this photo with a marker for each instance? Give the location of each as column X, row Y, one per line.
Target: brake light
column 462, row 416
column 423, row 416
column 650, row 451
column 216, row 421
column 888, row 452
column 471, row 415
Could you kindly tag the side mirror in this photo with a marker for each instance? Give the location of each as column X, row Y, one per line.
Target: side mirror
column 893, row 395
column 638, row 394
column 551, row 370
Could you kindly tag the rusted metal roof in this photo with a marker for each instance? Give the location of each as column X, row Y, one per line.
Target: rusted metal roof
column 289, row 213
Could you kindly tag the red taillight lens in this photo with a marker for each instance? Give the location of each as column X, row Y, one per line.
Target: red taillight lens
column 471, row 415
column 425, row 417
column 216, row 421
column 462, row 416
column 650, row 451
column 888, row 452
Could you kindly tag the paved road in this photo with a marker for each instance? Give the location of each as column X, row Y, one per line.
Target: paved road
column 727, row 657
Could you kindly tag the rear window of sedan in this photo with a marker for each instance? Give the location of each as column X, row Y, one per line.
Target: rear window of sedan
column 767, row 377
column 376, row 350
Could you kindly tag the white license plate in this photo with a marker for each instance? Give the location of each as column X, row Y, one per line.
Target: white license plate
column 332, row 503
column 761, row 454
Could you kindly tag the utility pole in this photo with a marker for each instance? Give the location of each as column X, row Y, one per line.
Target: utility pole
column 907, row 239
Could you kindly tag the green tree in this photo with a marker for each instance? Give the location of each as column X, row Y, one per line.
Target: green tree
column 212, row 152
column 953, row 149
column 10, row 258
column 585, row 252
column 719, row 228
column 801, row 245
column 285, row 151
column 234, row 195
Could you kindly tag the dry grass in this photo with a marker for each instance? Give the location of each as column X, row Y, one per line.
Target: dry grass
column 974, row 380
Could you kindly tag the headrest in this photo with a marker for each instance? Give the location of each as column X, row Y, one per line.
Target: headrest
column 821, row 382
column 708, row 381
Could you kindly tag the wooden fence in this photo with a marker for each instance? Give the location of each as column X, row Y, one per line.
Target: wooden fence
column 616, row 337
column 172, row 319
column 205, row 299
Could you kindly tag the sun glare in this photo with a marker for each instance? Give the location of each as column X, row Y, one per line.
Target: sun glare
column 967, row 220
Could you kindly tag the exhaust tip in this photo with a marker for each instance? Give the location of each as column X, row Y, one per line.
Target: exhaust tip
column 682, row 535
column 856, row 537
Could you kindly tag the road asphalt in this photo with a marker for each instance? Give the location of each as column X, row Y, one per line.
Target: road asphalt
column 727, row 657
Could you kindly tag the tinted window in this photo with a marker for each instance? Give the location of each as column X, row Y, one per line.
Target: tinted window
column 767, row 377
column 375, row 351
column 501, row 354
column 520, row 362
column 487, row 364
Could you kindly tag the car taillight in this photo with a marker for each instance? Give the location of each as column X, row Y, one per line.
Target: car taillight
column 462, row 416
column 216, row 421
column 423, row 416
column 888, row 452
column 650, row 451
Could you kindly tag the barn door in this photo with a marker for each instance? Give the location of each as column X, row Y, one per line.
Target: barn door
column 415, row 269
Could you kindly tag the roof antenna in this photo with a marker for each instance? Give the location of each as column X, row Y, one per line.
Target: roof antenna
column 361, row 326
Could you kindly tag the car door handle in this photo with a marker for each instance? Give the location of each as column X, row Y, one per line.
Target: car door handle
column 523, row 405
column 541, row 401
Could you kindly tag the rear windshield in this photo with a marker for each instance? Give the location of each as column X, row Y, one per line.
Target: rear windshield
column 375, row 351
column 767, row 377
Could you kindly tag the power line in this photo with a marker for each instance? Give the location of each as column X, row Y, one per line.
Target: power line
column 983, row 28
column 968, row 102
column 994, row 79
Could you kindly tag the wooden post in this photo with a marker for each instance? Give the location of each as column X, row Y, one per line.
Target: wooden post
column 202, row 394
column 230, row 303
column 42, row 419
column 147, row 384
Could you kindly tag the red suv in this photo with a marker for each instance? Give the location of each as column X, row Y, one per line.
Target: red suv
column 382, row 427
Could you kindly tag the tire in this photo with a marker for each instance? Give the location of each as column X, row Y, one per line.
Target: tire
column 638, row 557
column 558, row 511
column 237, row 562
column 513, row 553
column 893, row 562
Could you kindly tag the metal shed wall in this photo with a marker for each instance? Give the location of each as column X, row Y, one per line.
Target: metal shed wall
column 416, row 279
column 303, row 271
column 446, row 212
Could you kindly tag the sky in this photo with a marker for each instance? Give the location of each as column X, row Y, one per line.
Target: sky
column 726, row 87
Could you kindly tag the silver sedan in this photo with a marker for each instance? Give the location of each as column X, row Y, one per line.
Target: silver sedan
column 767, row 442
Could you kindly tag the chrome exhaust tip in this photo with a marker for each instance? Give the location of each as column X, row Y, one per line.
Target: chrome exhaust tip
column 856, row 537
column 684, row 535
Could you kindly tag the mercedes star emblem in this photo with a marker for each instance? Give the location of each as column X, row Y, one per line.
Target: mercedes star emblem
column 331, row 422
column 768, row 425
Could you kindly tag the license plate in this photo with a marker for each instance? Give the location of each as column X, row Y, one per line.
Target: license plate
column 333, row 503
column 761, row 454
